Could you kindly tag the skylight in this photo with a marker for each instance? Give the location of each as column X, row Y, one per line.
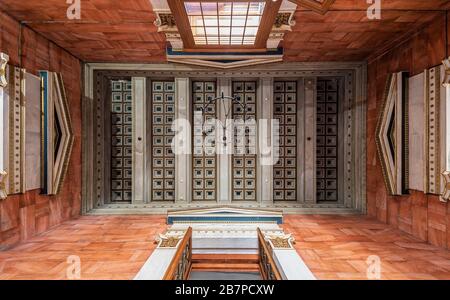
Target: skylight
column 224, row 23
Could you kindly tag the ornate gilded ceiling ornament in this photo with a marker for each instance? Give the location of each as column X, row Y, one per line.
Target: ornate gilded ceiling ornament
column 165, row 20
column 445, row 196
column 3, row 192
column 169, row 241
column 392, row 134
column 284, row 19
column 446, row 79
column 280, row 241
column 3, row 62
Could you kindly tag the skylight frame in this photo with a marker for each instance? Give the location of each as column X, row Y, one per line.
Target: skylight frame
column 225, row 22
column 267, row 19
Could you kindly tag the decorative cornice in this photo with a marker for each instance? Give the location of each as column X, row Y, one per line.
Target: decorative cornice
column 3, row 192
column 3, row 62
column 446, row 80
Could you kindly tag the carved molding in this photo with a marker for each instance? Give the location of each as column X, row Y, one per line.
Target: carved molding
column 3, row 63
column 392, row 135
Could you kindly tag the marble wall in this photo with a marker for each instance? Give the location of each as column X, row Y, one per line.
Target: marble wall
column 23, row 216
column 423, row 216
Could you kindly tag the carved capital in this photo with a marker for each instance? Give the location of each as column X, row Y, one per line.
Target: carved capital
column 3, row 62
column 3, row 193
column 446, row 193
column 446, row 81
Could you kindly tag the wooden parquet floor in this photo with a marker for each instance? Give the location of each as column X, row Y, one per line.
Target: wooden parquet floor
column 116, row 247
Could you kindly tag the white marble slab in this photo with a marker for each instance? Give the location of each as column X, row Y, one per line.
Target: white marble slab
column 156, row 266
column 292, row 266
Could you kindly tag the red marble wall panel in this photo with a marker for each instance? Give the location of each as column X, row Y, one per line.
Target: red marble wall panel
column 23, row 216
column 423, row 216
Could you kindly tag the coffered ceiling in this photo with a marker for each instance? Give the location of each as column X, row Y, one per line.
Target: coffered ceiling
column 124, row 31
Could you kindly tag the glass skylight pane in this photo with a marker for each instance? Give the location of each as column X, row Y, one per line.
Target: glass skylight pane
column 209, row 8
column 193, row 8
column 251, row 31
column 198, row 31
column 210, row 31
column 224, row 21
column 240, row 8
column 196, row 20
column 237, row 31
column 225, row 31
column 256, row 8
column 253, row 20
column 211, row 21
column 224, row 8
column 213, row 40
column 238, row 21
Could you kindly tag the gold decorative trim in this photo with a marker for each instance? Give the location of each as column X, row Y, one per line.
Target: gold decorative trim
column 3, row 63
column 445, row 196
column 3, row 192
